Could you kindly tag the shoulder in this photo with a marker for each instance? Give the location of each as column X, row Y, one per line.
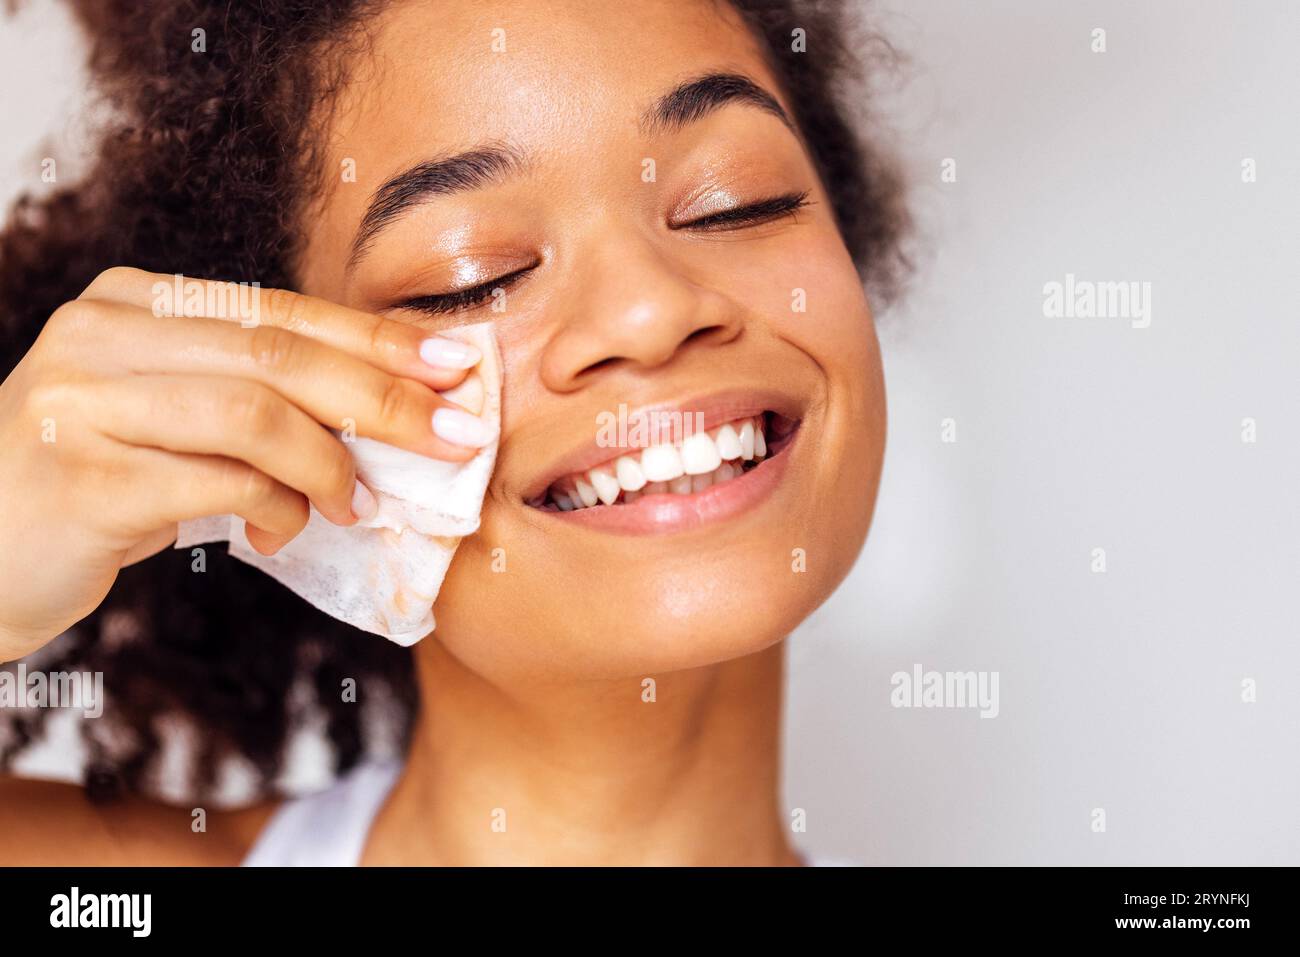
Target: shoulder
column 48, row 823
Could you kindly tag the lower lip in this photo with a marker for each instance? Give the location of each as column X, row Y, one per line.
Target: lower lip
column 666, row 513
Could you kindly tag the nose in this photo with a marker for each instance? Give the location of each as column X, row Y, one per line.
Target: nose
column 636, row 307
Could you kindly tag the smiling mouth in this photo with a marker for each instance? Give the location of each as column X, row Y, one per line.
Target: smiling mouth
column 698, row 463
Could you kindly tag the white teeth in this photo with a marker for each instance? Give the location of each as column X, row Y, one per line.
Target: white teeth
column 630, row 476
column 661, row 463
column 586, row 494
column 701, row 462
column 747, row 439
column 700, row 454
column 607, row 487
column 728, row 443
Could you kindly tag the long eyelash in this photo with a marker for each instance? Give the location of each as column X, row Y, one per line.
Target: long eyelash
column 462, row 298
column 762, row 211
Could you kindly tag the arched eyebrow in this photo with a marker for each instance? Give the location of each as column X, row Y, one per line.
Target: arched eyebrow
column 697, row 98
column 490, row 163
column 457, row 173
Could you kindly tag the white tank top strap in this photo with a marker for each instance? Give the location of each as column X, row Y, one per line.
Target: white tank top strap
column 328, row 828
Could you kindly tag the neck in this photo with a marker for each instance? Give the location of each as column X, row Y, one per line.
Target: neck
column 591, row 773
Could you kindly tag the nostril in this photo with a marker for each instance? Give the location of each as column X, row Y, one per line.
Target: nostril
column 602, row 364
column 705, row 333
column 657, row 354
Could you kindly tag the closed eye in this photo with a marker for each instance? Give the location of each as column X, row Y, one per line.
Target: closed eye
column 749, row 215
column 443, row 303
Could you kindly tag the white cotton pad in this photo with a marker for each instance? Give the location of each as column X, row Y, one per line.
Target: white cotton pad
column 382, row 575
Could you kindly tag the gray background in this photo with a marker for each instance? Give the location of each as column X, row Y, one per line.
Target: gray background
column 1120, row 690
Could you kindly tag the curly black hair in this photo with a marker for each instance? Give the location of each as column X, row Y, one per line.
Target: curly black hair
column 204, row 171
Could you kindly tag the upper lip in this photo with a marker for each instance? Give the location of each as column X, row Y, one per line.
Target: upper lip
column 716, row 409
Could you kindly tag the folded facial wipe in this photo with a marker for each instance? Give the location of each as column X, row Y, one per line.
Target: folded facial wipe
column 382, row 575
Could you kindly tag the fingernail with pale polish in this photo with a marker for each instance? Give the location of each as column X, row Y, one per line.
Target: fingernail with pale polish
column 449, row 354
column 460, row 428
column 364, row 505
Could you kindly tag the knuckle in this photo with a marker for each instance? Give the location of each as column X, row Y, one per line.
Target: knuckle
column 253, row 410
column 336, row 473
column 71, row 319
column 53, row 397
column 382, row 339
column 121, row 274
column 273, row 348
column 253, row 488
column 283, row 307
column 394, row 400
column 114, row 279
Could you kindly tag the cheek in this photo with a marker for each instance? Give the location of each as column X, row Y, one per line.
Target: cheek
column 830, row 321
column 819, row 307
column 826, row 317
column 492, row 612
column 822, row 307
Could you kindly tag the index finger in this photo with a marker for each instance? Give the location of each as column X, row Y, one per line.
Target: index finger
column 396, row 347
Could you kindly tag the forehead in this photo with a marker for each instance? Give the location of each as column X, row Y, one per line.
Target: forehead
column 556, row 78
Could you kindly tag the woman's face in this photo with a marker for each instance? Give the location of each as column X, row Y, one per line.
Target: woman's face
column 615, row 201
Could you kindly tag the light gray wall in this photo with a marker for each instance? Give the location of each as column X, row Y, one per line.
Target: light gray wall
column 1122, row 690
column 1119, row 690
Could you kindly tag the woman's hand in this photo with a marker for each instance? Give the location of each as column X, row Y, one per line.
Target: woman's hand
column 125, row 419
